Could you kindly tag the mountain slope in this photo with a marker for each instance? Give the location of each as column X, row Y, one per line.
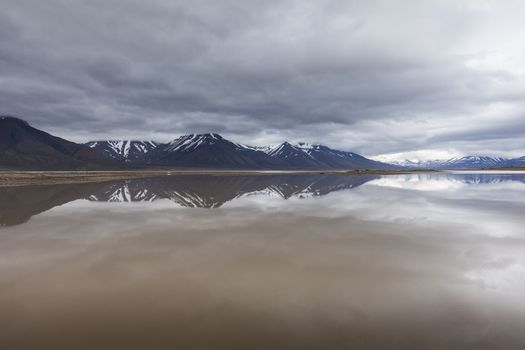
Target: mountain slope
column 123, row 150
column 214, row 151
column 290, row 156
column 516, row 162
column 335, row 159
column 467, row 162
column 208, row 151
column 25, row 147
column 475, row 162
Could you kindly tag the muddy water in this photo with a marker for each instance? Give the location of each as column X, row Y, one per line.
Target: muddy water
column 269, row 262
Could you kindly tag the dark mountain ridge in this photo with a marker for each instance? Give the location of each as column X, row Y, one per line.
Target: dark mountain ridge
column 25, row 147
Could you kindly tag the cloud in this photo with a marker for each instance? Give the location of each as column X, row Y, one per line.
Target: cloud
column 369, row 76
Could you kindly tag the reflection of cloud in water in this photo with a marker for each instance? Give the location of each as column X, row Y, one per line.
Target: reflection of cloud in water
column 500, row 278
column 374, row 267
column 416, row 183
column 445, row 181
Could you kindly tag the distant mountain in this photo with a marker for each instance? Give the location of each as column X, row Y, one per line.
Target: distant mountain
column 419, row 164
column 123, row 150
column 209, row 151
column 306, row 156
column 475, row 162
column 516, row 162
column 467, row 162
column 24, row 147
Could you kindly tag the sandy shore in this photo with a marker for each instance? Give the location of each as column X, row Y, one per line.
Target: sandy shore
column 24, row 178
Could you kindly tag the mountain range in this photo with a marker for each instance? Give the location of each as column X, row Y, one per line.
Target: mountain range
column 213, row 151
column 25, row 147
column 123, row 150
column 467, row 162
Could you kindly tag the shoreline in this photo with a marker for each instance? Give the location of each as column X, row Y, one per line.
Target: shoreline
column 27, row 178
column 14, row 178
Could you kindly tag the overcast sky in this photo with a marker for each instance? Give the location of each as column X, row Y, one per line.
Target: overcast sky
column 417, row 79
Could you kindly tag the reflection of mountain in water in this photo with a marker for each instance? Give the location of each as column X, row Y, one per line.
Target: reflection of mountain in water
column 20, row 203
column 214, row 191
column 473, row 179
column 467, row 178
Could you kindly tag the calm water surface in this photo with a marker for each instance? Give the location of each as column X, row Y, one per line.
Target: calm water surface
column 428, row 261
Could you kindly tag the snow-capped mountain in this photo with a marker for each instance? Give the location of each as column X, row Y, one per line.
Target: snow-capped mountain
column 188, row 143
column 214, row 151
column 209, row 151
column 516, row 162
column 123, row 150
column 293, row 156
column 475, row 162
column 419, row 164
column 467, row 162
column 337, row 159
column 304, row 155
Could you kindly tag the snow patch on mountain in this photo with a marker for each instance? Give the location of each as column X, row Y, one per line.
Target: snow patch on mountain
column 287, row 150
column 466, row 162
column 188, row 143
column 123, row 149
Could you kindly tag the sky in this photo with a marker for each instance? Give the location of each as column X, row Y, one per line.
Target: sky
column 387, row 79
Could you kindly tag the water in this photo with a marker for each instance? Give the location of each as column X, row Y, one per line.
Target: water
column 428, row 261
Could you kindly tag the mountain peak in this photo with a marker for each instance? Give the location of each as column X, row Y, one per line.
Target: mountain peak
column 287, row 150
column 307, row 145
column 461, row 162
column 209, row 135
column 123, row 149
column 25, row 147
column 192, row 141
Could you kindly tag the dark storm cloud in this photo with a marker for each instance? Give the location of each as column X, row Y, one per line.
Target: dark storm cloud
column 372, row 76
